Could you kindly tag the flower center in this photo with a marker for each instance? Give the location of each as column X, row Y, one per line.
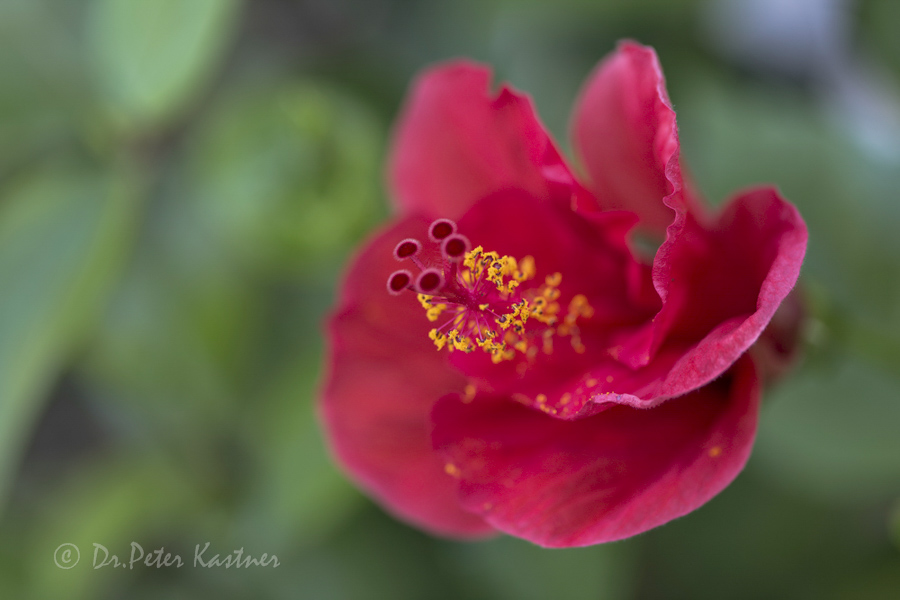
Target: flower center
column 480, row 298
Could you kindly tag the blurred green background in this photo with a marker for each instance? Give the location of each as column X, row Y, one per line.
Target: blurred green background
column 181, row 182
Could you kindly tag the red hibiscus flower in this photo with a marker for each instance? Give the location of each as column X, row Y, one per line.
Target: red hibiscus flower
column 503, row 358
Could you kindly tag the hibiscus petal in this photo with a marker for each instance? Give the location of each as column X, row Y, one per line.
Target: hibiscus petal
column 455, row 144
column 384, row 377
column 603, row 478
column 624, row 130
column 723, row 284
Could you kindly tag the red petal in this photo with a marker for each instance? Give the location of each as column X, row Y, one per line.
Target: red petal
column 722, row 285
column 455, row 144
column 384, row 378
column 720, row 282
column 624, row 130
column 603, row 478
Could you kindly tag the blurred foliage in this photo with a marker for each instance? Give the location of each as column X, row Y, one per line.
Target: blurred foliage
column 879, row 18
column 52, row 291
column 150, row 58
column 286, row 172
column 180, row 185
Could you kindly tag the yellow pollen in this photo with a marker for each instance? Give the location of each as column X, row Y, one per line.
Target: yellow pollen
column 440, row 340
column 488, row 309
column 715, row 451
column 469, row 393
column 521, row 398
column 452, row 470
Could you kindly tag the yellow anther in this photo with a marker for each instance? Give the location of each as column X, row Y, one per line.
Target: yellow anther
column 433, row 312
column 525, row 269
column 579, row 307
column 501, row 355
column 521, row 312
column 521, row 398
column 548, row 341
column 476, row 321
column 439, row 339
column 472, row 257
column 460, row 342
column 469, row 393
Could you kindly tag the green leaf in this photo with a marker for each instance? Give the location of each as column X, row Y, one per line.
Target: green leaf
column 63, row 235
column 152, row 58
column 43, row 91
